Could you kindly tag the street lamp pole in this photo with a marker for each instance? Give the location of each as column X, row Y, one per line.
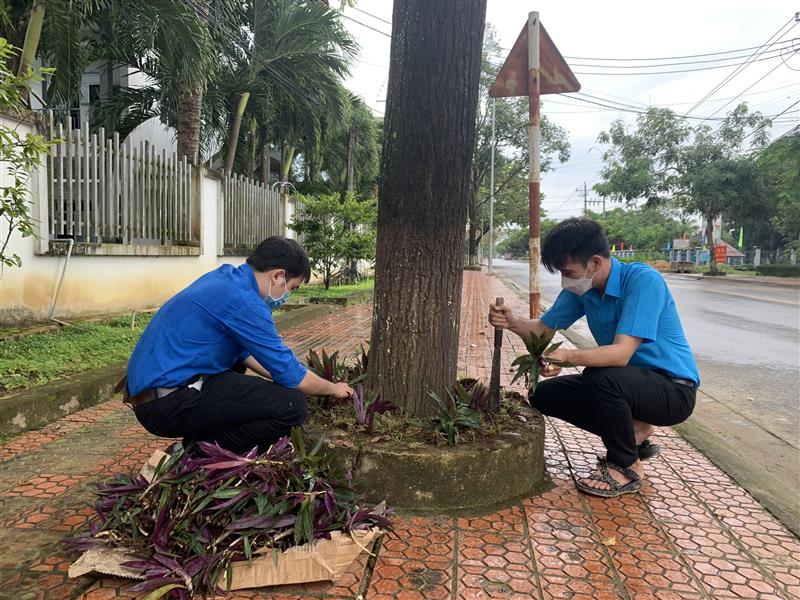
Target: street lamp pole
column 491, row 195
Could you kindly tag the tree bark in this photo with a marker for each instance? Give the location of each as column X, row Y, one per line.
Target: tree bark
column 190, row 107
column 265, row 164
column 712, row 256
column 425, row 181
column 233, row 138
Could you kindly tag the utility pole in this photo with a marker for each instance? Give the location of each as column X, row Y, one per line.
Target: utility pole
column 491, row 195
column 585, row 200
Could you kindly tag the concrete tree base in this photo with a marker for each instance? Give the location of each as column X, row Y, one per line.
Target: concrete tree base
column 463, row 478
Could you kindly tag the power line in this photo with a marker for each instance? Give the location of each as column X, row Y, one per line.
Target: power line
column 730, row 76
column 365, row 25
column 716, row 110
column 788, row 44
column 760, row 127
column 665, row 57
column 363, row 12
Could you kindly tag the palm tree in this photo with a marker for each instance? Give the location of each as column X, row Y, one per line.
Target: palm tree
column 298, row 58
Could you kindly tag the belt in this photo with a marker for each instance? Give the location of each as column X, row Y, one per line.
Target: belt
column 152, row 394
column 687, row 382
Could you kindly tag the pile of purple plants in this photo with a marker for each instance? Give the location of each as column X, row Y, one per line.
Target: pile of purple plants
column 200, row 513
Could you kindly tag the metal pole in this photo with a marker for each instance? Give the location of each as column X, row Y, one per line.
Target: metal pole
column 491, row 195
column 534, row 182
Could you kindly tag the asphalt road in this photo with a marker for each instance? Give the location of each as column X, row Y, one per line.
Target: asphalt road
column 746, row 339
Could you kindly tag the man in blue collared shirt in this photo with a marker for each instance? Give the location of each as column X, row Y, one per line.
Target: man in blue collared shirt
column 186, row 375
column 642, row 373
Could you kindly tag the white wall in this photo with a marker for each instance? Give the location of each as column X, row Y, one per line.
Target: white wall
column 103, row 284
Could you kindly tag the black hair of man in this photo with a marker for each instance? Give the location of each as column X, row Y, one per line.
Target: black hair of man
column 278, row 252
column 575, row 239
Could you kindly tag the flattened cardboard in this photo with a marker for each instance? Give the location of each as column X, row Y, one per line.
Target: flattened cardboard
column 323, row 560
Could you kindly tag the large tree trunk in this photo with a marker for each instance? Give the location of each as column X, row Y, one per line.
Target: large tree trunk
column 265, row 164
column 425, row 180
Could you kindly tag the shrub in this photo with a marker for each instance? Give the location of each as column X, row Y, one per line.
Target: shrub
column 779, row 270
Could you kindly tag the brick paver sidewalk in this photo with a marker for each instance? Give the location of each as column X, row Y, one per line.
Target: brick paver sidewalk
column 692, row 533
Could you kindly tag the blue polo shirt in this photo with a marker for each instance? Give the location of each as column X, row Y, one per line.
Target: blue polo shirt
column 217, row 321
column 637, row 302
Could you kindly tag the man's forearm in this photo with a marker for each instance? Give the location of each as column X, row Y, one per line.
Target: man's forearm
column 523, row 327
column 602, row 356
column 314, row 385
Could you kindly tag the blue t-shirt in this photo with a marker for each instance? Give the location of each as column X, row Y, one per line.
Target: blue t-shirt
column 216, row 322
column 637, row 302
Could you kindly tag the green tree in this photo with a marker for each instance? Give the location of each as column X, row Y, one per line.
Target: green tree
column 336, row 232
column 781, row 163
column 20, row 154
column 665, row 161
column 644, row 229
column 511, row 154
column 514, row 241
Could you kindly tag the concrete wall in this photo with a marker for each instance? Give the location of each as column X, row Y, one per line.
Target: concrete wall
column 102, row 284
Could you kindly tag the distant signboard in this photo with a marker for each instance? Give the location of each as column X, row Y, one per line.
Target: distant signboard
column 720, row 253
column 680, row 244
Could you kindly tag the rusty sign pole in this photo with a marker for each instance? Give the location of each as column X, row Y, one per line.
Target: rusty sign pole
column 534, row 182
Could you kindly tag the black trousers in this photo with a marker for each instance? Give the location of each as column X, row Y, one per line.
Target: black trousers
column 236, row 411
column 605, row 401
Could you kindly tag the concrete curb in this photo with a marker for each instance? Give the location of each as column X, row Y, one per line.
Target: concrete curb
column 36, row 407
column 771, row 282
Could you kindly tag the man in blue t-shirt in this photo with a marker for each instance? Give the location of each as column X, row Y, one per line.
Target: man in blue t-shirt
column 642, row 373
column 186, row 377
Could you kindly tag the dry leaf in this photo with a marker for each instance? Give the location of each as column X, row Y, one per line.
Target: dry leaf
column 610, row 541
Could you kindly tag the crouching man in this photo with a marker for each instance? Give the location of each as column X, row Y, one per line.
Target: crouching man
column 642, row 373
column 186, row 375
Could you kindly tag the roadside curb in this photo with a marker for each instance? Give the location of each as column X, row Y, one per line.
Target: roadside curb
column 33, row 408
column 789, row 283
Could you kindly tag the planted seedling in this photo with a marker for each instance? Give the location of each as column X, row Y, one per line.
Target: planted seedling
column 529, row 365
column 455, row 414
column 366, row 405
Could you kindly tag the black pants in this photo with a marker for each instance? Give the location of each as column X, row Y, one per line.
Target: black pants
column 605, row 401
column 234, row 410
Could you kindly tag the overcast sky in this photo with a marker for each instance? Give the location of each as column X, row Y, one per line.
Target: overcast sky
column 621, row 29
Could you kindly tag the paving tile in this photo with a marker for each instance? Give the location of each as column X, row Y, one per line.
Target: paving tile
column 421, row 538
column 561, row 588
column 410, row 579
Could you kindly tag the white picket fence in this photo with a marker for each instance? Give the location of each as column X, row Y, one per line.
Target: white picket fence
column 101, row 190
column 249, row 212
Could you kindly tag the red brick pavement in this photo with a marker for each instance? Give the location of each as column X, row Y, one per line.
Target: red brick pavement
column 692, row 533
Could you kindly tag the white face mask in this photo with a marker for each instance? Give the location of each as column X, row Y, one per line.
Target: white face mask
column 578, row 286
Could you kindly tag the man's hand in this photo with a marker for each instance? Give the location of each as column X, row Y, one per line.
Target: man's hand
column 560, row 355
column 341, row 390
column 501, row 316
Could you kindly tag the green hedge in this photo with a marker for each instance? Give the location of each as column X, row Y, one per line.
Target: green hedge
column 779, row 270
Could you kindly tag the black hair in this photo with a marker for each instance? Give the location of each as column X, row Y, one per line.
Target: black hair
column 574, row 239
column 278, row 252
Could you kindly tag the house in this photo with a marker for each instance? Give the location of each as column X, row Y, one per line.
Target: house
column 733, row 256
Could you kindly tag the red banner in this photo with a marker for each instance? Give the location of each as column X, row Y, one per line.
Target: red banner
column 720, row 253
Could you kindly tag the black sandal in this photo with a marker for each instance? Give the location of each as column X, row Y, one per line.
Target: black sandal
column 617, row 488
column 646, row 450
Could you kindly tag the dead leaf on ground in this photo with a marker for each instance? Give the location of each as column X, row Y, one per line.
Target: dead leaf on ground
column 610, row 541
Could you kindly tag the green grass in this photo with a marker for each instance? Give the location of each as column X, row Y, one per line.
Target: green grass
column 43, row 357
column 727, row 269
column 318, row 290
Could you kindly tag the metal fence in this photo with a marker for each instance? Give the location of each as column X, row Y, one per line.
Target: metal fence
column 249, row 212
column 101, row 190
